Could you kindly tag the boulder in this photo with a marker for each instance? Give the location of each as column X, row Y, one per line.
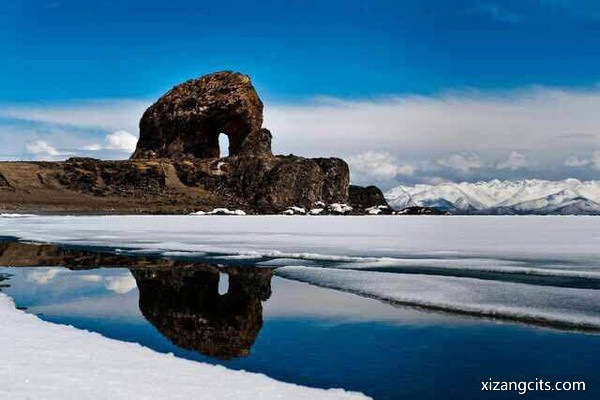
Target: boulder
column 186, row 122
column 366, row 196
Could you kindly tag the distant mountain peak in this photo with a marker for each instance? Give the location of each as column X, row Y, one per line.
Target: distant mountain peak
column 528, row 196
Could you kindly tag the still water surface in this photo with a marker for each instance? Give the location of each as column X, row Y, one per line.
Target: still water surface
column 246, row 318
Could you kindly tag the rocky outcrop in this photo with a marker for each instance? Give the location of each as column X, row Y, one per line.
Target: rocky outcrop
column 186, row 122
column 177, row 168
column 366, row 196
column 417, row 210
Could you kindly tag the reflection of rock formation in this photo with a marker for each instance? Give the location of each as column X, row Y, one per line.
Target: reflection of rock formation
column 184, row 304
column 180, row 298
column 3, row 277
column 19, row 254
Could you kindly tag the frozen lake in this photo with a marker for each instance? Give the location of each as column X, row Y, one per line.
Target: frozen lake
column 380, row 305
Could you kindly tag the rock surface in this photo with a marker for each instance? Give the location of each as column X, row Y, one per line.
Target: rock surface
column 366, row 196
column 186, row 122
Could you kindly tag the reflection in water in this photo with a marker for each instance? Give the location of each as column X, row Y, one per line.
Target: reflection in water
column 21, row 254
column 3, row 277
column 311, row 336
column 184, row 304
column 181, row 299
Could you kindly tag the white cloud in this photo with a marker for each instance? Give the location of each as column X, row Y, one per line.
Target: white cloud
column 515, row 160
column 121, row 141
column 593, row 161
column 463, row 162
column 574, row 161
column 93, row 147
column 541, row 121
column 596, row 160
column 108, row 115
column 41, row 150
column 42, row 147
column 378, row 165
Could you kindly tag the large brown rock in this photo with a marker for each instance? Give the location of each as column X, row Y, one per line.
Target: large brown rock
column 186, row 122
column 184, row 125
column 176, row 167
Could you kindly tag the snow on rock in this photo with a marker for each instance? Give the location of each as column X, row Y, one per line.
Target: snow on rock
column 220, row 211
column 339, row 208
column 50, row 361
column 294, row 210
column 376, row 210
column 316, row 211
column 569, row 196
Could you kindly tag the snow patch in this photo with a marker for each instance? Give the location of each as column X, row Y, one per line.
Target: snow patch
column 339, row 208
column 565, row 307
column 220, row 211
column 13, row 215
column 294, row 210
column 375, row 210
column 50, row 361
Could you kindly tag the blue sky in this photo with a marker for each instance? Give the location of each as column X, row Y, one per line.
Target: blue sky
column 65, row 54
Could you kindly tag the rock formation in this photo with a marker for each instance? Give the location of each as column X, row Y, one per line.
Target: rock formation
column 186, row 122
column 177, row 166
column 185, row 125
column 365, row 196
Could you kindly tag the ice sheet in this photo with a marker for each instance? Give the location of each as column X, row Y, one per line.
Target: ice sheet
column 44, row 360
column 561, row 307
column 545, row 250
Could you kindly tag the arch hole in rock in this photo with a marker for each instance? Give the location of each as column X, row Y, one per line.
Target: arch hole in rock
column 223, row 145
column 223, row 283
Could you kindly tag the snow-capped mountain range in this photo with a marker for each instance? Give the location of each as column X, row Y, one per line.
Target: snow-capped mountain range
column 532, row 196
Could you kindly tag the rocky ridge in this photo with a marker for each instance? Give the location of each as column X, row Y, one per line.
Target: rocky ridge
column 177, row 166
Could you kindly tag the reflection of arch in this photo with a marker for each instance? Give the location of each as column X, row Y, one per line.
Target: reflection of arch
column 184, row 305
